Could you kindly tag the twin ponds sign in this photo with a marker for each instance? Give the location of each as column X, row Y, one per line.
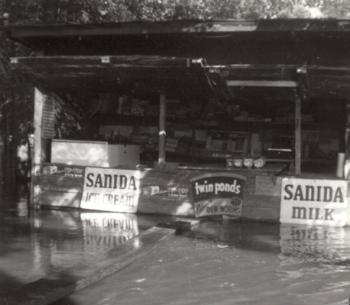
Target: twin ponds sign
column 218, row 194
column 314, row 201
column 107, row 189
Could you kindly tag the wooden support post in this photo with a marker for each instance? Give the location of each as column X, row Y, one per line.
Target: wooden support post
column 162, row 132
column 10, row 151
column 39, row 100
column 297, row 134
column 347, row 130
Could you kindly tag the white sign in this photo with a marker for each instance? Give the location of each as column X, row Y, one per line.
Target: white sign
column 109, row 189
column 314, row 201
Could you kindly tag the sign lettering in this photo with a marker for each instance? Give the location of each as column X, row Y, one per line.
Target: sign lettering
column 312, row 213
column 314, row 201
column 110, row 189
column 217, row 194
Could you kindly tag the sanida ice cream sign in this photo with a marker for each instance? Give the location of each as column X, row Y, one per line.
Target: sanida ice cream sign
column 109, row 189
column 217, row 194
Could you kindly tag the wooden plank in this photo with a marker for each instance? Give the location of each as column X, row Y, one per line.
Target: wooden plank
column 162, row 131
column 62, row 283
column 186, row 27
column 95, row 61
column 297, row 134
column 262, row 83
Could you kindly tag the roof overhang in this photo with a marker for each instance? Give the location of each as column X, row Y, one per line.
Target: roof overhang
column 178, row 26
column 277, row 41
column 148, row 75
column 177, row 76
column 224, row 56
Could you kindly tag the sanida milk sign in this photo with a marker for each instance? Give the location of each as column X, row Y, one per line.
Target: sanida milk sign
column 314, row 201
column 217, row 194
column 110, row 189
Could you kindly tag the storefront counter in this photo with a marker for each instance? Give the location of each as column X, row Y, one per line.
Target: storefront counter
column 261, row 195
column 158, row 191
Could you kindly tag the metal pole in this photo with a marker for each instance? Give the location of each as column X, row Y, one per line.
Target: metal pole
column 162, row 132
column 297, row 134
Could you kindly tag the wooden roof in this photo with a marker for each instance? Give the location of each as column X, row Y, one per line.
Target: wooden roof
column 178, row 26
column 295, row 41
column 155, row 54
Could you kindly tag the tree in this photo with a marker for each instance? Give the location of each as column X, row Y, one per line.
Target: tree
column 97, row 11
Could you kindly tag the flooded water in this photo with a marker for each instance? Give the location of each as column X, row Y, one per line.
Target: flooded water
column 218, row 262
column 234, row 263
column 48, row 241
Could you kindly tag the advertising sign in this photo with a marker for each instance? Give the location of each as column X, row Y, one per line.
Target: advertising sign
column 314, row 201
column 217, row 194
column 109, row 189
column 72, row 171
column 64, row 179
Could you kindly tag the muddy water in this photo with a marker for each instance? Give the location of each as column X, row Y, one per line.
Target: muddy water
column 219, row 262
column 235, row 263
column 36, row 245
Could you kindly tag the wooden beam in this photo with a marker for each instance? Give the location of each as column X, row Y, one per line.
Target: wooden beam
column 262, row 83
column 162, row 131
column 39, row 100
column 297, row 133
column 185, row 27
column 115, row 61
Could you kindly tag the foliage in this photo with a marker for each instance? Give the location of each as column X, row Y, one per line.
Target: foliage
column 96, row 11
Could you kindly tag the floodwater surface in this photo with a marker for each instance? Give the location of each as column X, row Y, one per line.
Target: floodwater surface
column 218, row 262
column 52, row 242
column 227, row 262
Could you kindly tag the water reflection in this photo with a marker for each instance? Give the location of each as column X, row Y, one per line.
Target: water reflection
column 230, row 262
column 51, row 241
column 300, row 264
column 73, row 238
column 248, row 235
column 220, row 261
column 316, row 243
column 314, row 263
column 22, row 207
column 106, row 230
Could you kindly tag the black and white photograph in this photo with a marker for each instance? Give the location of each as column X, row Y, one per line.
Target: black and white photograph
column 176, row 152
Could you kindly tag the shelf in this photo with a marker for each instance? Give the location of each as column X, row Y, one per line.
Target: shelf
column 109, row 119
